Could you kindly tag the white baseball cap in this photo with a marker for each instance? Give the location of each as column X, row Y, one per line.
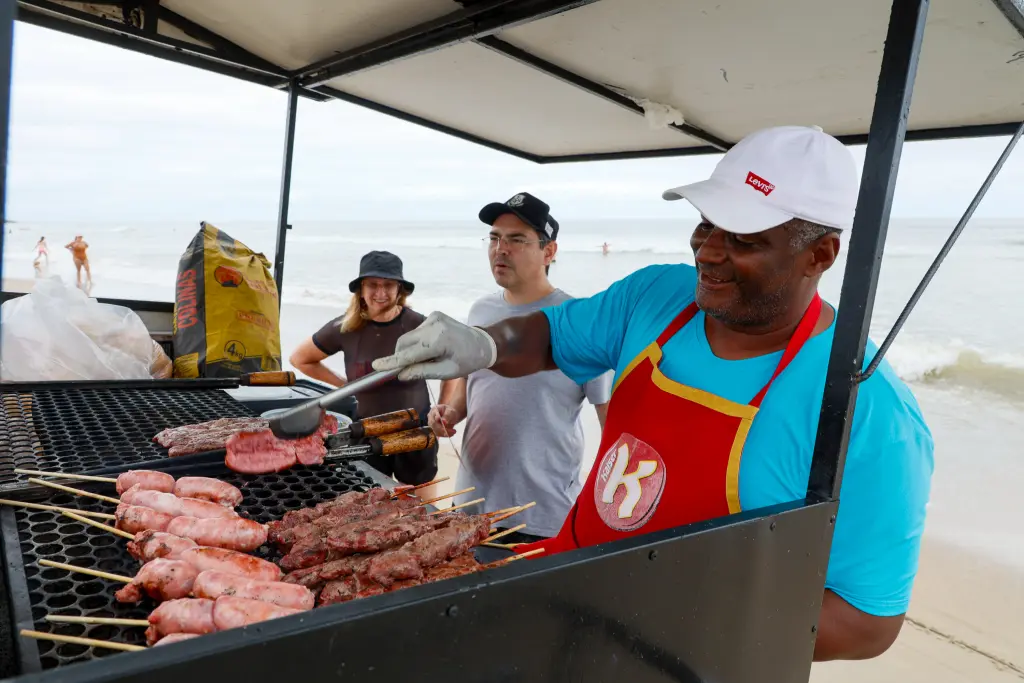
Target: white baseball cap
column 775, row 175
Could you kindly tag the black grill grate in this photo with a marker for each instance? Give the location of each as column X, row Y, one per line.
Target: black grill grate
column 52, row 536
column 81, row 429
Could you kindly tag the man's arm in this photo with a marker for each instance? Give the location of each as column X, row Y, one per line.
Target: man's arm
column 524, row 345
column 308, row 360
column 602, row 413
column 844, row 632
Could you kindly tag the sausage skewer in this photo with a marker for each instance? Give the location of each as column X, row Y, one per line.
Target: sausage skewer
column 202, row 488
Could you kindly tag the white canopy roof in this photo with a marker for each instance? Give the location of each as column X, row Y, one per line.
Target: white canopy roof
column 557, row 79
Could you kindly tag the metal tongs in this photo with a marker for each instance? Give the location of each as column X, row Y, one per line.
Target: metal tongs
column 304, row 419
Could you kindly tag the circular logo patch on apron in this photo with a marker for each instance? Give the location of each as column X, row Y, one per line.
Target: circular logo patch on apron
column 630, row 480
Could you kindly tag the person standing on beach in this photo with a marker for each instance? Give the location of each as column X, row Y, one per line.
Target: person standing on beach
column 78, row 247
column 523, row 440
column 42, row 254
column 720, row 371
column 377, row 316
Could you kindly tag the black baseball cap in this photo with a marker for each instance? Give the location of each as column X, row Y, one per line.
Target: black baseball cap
column 382, row 264
column 529, row 209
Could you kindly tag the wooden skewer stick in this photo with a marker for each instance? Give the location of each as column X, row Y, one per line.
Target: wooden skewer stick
column 501, row 546
column 506, row 532
column 520, row 556
column 515, row 511
column 456, row 507
column 448, row 495
column 62, row 475
column 403, row 490
column 77, row 492
column 61, row 619
column 90, row 642
column 116, row 532
column 53, row 508
column 85, row 570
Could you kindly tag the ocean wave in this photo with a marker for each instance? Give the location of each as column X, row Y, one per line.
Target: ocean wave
column 961, row 366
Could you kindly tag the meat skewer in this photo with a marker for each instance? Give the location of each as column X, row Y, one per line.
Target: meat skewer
column 173, row 505
column 149, row 545
column 361, row 535
column 243, row 535
column 150, row 479
column 161, row 580
column 206, row 488
column 183, row 618
column 136, row 518
column 344, row 510
column 203, row 488
column 212, row 584
column 231, row 562
column 232, row 612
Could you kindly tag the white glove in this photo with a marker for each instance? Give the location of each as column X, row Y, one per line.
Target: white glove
column 440, row 348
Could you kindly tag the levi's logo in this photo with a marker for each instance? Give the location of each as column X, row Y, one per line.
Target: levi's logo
column 759, row 183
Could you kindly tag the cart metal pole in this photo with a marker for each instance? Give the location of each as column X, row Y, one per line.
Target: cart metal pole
column 286, row 186
column 8, row 10
column 878, row 183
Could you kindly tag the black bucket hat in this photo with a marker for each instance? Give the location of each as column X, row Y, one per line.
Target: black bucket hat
column 382, row 264
column 529, row 209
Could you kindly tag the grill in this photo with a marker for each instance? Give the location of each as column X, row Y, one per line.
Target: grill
column 86, row 428
column 50, row 535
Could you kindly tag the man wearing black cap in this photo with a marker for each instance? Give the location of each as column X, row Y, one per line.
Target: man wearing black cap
column 523, row 440
column 376, row 317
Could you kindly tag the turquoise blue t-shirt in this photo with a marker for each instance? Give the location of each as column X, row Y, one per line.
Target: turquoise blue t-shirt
column 889, row 463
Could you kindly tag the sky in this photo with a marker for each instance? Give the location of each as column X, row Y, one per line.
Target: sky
column 103, row 134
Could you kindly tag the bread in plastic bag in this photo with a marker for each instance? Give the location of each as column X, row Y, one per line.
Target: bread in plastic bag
column 58, row 333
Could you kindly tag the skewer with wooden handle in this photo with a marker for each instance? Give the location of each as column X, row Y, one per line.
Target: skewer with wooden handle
column 53, row 508
column 448, row 495
column 387, row 444
column 77, row 492
column 456, row 507
column 65, row 475
column 408, row 490
column 514, row 511
column 75, row 640
column 86, row 570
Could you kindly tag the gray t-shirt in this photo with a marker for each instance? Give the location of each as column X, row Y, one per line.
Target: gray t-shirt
column 523, row 440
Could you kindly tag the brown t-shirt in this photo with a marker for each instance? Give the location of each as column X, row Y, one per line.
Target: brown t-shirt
column 362, row 347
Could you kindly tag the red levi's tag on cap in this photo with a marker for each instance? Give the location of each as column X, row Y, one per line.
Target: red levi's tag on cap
column 759, row 183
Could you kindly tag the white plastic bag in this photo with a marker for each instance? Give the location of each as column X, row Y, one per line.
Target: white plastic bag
column 57, row 333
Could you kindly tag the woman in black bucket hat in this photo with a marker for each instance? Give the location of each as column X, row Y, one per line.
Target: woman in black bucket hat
column 376, row 317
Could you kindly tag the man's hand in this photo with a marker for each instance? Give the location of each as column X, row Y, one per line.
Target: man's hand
column 442, row 419
column 440, row 348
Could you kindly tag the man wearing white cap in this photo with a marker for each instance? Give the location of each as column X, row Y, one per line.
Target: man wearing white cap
column 719, row 374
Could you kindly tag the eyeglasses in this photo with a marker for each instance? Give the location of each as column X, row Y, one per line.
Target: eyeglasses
column 516, row 243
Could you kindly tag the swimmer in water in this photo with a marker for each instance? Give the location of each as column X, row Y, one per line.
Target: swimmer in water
column 78, row 247
column 604, row 248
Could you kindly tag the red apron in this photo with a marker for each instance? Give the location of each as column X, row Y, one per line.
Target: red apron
column 669, row 455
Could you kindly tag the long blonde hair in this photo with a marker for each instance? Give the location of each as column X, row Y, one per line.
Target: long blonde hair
column 356, row 315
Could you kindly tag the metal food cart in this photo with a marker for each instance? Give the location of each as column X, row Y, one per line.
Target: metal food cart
column 550, row 81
